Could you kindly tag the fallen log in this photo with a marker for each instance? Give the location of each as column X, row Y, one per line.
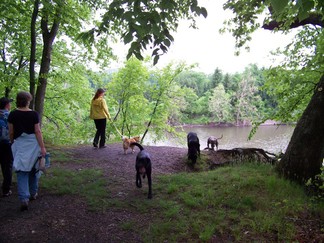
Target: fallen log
column 239, row 155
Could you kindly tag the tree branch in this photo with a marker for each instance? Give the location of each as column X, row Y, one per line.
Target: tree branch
column 313, row 19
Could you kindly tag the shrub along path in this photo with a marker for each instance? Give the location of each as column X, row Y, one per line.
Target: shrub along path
column 69, row 217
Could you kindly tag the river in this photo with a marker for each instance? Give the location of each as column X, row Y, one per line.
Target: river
column 271, row 138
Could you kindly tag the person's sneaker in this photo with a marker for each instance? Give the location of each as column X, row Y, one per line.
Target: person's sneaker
column 24, row 206
column 95, row 145
column 104, row 146
column 33, row 197
column 7, row 194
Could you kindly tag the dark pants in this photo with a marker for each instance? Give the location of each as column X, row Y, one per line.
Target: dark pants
column 101, row 131
column 6, row 166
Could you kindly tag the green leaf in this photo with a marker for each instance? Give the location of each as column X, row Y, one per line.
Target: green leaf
column 302, row 15
column 128, row 38
column 138, row 56
column 193, row 6
column 304, row 6
column 156, row 59
column 129, row 54
column 167, row 42
column 204, row 12
column 167, row 34
column 279, row 5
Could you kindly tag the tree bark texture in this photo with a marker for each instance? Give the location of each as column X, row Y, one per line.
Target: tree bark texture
column 32, row 81
column 304, row 155
column 48, row 38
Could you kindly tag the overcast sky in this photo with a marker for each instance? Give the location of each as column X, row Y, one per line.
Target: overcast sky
column 211, row 50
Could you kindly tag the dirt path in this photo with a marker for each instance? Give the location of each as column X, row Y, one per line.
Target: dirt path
column 57, row 218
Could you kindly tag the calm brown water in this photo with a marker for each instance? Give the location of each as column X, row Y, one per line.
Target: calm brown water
column 270, row 138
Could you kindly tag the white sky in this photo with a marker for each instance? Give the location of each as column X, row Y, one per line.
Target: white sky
column 211, row 50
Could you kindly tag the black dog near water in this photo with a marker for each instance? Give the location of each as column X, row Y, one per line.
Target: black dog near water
column 193, row 146
column 143, row 167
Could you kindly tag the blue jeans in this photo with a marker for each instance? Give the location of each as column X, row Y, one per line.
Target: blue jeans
column 27, row 184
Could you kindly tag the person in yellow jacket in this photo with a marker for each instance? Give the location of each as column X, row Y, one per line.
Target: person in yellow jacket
column 99, row 113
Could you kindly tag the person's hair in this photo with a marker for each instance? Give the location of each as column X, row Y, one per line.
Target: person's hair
column 4, row 101
column 98, row 93
column 23, row 98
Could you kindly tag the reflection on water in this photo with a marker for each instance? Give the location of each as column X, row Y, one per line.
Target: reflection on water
column 270, row 138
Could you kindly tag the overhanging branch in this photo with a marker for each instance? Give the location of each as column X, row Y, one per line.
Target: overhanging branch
column 313, row 19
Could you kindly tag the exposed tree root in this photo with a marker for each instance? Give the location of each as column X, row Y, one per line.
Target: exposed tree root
column 239, row 155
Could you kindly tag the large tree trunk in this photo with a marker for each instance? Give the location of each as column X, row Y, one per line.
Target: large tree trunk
column 304, row 156
column 48, row 38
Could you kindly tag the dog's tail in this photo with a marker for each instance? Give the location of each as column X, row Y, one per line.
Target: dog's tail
column 138, row 145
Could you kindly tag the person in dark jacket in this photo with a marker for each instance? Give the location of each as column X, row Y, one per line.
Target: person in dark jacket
column 5, row 147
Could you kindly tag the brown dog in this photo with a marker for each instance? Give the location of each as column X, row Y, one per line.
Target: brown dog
column 213, row 142
column 127, row 143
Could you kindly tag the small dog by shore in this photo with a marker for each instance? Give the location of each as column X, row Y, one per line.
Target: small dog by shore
column 213, row 142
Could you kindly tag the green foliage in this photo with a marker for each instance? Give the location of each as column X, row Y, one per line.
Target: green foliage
column 277, row 14
column 216, row 79
column 240, row 99
column 126, row 96
column 315, row 186
column 197, row 81
column 14, row 46
column 145, row 100
column 145, row 23
column 139, row 99
column 247, row 103
column 302, row 8
column 166, row 99
column 245, row 20
column 292, row 84
column 67, row 105
column 219, row 104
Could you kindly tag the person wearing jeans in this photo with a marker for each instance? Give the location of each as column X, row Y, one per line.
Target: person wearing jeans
column 27, row 145
column 27, row 185
column 99, row 113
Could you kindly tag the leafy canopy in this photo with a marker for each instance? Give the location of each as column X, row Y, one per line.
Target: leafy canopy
column 144, row 23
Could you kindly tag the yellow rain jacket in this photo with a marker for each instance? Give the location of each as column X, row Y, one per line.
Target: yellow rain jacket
column 99, row 109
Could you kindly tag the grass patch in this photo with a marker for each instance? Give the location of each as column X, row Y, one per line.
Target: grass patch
column 240, row 203
column 201, row 163
column 88, row 183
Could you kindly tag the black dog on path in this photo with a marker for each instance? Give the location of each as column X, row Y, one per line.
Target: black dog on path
column 143, row 167
column 193, row 146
